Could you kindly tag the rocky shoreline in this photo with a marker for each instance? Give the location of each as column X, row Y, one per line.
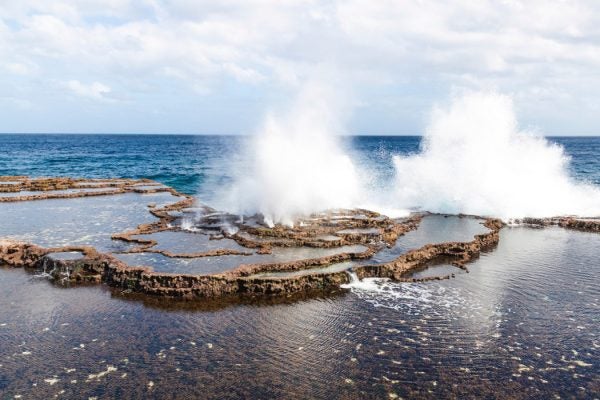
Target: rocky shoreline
column 578, row 224
column 352, row 227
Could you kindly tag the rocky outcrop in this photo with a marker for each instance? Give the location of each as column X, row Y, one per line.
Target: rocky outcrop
column 339, row 224
column 457, row 253
column 67, row 188
column 579, row 224
column 585, row 225
column 333, row 229
column 97, row 267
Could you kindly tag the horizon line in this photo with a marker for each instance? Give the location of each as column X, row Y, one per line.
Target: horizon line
column 238, row 134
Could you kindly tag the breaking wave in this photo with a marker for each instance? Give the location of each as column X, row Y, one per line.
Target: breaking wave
column 475, row 160
column 297, row 165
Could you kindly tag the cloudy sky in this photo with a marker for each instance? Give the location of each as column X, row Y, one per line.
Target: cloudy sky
column 215, row 67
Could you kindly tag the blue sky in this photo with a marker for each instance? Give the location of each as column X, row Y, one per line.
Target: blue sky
column 183, row 66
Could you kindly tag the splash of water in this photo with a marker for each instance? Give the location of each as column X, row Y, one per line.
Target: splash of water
column 474, row 160
column 297, row 165
column 353, row 278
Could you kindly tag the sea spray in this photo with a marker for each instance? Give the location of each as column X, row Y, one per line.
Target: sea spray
column 475, row 160
column 365, row 285
column 353, row 279
column 297, row 165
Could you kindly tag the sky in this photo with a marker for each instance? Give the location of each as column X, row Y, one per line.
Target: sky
column 208, row 67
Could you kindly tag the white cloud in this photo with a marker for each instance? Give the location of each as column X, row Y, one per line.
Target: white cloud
column 94, row 91
column 17, row 102
column 528, row 48
column 18, row 68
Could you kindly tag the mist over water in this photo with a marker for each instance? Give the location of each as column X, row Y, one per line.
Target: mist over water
column 297, row 165
column 475, row 160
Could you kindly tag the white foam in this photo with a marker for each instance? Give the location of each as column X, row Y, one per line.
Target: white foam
column 297, row 165
column 409, row 297
column 475, row 160
column 187, row 224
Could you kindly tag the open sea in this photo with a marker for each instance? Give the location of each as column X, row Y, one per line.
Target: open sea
column 524, row 323
column 193, row 164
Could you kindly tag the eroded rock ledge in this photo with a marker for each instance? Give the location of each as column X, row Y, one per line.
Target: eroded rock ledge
column 65, row 188
column 457, row 253
column 368, row 229
column 97, row 267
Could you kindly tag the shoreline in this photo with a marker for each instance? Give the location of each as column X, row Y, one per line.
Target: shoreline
column 370, row 230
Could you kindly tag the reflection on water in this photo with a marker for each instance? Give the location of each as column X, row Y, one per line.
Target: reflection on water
column 66, row 255
column 434, row 229
column 188, row 242
column 61, row 222
column 523, row 324
column 218, row 264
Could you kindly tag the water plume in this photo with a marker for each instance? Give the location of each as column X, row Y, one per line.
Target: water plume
column 297, row 165
column 475, row 160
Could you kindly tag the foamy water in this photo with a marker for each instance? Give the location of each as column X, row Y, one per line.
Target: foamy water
column 476, row 160
column 411, row 298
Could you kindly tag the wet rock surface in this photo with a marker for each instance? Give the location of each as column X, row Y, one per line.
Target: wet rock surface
column 320, row 240
column 310, row 256
column 22, row 188
column 578, row 224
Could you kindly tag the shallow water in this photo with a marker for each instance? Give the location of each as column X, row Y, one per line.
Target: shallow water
column 189, row 242
column 55, row 192
column 150, row 187
column 523, row 324
column 431, row 271
column 61, row 222
column 434, row 229
column 343, row 266
column 101, row 183
column 66, row 255
column 211, row 265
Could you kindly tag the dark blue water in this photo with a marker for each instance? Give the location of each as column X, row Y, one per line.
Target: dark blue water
column 195, row 164
column 184, row 162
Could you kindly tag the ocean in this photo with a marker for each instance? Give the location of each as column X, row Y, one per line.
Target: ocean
column 195, row 164
column 522, row 323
